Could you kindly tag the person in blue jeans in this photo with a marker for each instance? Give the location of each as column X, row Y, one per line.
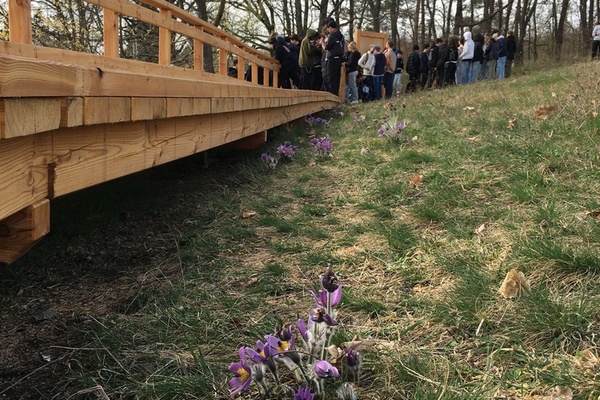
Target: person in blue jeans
column 378, row 73
column 502, row 53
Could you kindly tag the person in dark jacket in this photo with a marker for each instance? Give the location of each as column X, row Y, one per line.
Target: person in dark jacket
column 378, row 72
column 502, row 54
column 287, row 59
column 433, row 59
column 440, row 66
column 490, row 56
column 335, row 48
column 352, row 73
column 511, row 50
column 413, row 65
column 424, row 68
column 477, row 58
column 450, row 66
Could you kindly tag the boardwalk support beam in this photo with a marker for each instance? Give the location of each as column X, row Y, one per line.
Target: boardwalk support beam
column 21, row 230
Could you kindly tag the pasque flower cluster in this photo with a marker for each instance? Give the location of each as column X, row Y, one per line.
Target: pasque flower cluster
column 292, row 361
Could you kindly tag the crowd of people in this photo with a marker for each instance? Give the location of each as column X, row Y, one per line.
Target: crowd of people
column 315, row 62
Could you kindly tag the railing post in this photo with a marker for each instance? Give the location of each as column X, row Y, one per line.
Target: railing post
column 241, row 68
column 254, row 69
column 111, row 33
column 19, row 21
column 223, row 60
column 164, row 42
column 199, row 52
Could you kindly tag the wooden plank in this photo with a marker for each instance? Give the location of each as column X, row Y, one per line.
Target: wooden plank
column 241, row 68
column 143, row 108
column 24, row 77
column 100, row 110
column 164, row 41
column 111, row 33
column 180, row 107
column 26, row 116
column 71, row 111
column 85, row 156
column 19, row 21
column 24, row 171
column 22, row 230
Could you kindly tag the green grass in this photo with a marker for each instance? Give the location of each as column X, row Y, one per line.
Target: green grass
column 421, row 264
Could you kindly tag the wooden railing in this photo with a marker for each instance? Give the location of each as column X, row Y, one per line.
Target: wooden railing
column 169, row 19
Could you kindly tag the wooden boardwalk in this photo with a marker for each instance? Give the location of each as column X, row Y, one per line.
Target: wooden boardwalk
column 71, row 120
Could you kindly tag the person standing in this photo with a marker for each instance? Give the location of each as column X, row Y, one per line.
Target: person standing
column 490, row 55
column 442, row 59
column 306, row 60
column 477, row 57
column 433, row 59
column 502, row 53
column 390, row 67
column 413, row 65
column 378, row 72
column 511, row 50
column 424, row 68
column 398, row 73
column 596, row 41
column 466, row 59
column 335, row 52
column 352, row 73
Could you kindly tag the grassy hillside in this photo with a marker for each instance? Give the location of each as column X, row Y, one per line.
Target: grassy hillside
column 191, row 264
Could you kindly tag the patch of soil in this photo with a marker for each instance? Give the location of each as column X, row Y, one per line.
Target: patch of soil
column 85, row 270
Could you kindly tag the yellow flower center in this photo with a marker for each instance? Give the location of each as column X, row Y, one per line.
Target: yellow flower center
column 283, row 346
column 243, row 374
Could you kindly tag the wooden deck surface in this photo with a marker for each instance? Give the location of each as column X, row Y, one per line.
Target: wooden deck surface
column 70, row 120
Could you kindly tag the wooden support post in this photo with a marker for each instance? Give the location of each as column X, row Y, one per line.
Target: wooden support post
column 21, row 230
column 251, row 142
column 19, row 21
column 198, row 53
column 164, row 42
column 111, row 33
column 275, row 78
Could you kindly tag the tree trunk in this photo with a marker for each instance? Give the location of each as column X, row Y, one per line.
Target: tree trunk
column 559, row 36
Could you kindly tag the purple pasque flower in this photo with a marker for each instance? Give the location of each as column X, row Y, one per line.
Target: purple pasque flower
column 351, row 358
column 325, row 370
column 360, row 118
column 322, row 147
column 303, row 393
column 312, row 121
column 263, row 355
column 329, row 280
column 243, row 374
column 303, row 329
column 328, row 299
column 319, row 314
column 269, row 160
column 286, row 150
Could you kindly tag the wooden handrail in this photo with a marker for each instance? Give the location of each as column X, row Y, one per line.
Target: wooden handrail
column 169, row 19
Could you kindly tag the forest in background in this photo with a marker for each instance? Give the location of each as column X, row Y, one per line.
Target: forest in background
column 545, row 29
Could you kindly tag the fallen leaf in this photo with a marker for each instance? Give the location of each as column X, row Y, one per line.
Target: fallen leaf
column 364, row 345
column 249, row 214
column 514, row 285
column 553, row 94
column 594, row 214
column 587, row 359
column 594, row 114
column 469, row 108
column 415, row 181
column 545, row 111
column 479, row 230
column 403, row 104
column 511, row 123
column 415, row 138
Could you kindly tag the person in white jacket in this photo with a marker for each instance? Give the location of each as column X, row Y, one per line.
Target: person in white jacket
column 466, row 58
column 596, row 41
column 367, row 63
